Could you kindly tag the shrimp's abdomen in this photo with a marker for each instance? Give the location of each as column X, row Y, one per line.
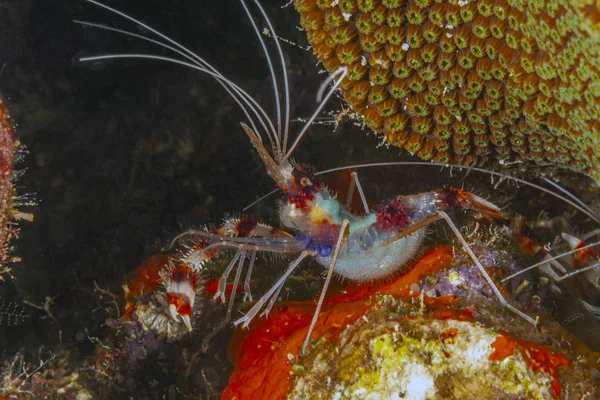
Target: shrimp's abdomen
column 368, row 253
column 360, row 262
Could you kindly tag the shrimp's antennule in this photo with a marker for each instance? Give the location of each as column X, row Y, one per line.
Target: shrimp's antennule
column 256, row 115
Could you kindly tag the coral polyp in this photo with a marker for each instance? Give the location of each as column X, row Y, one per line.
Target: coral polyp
column 514, row 80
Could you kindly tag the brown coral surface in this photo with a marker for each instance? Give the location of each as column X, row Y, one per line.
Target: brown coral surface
column 463, row 81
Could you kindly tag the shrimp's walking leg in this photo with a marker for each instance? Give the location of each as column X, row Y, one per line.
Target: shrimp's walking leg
column 442, row 215
column 223, row 279
column 247, row 293
column 236, row 280
column 355, row 183
column 245, row 320
column 272, row 302
column 233, row 228
column 483, row 271
column 336, row 251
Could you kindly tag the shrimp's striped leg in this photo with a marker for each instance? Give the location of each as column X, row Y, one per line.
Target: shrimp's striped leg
column 244, row 235
column 180, row 284
column 584, row 254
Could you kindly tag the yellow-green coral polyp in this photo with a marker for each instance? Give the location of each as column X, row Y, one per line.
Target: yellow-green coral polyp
column 461, row 80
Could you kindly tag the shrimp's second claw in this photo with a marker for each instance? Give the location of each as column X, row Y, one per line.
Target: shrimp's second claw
column 186, row 319
column 447, row 198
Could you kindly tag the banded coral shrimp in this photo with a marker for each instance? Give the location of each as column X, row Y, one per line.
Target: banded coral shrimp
column 391, row 233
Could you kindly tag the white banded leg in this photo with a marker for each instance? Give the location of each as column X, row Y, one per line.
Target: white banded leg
column 336, row 252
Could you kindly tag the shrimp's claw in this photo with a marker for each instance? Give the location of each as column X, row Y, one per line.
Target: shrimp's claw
column 187, row 321
column 180, row 284
column 451, row 197
column 180, row 306
column 584, row 253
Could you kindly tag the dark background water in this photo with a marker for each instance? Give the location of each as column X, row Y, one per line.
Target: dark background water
column 123, row 155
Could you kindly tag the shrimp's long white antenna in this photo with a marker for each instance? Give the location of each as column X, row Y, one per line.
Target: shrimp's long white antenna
column 227, row 85
column 273, row 78
column 549, row 259
column 342, row 71
column 244, row 96
column 567, row 193
column 271, row 134
column 260, row 199
column 286, row 87
column 592, row 216
column 579, row 271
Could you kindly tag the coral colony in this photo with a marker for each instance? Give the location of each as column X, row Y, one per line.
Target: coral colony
column 461, row 81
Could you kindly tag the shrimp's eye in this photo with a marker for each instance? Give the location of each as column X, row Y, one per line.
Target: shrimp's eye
column 305, row 182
